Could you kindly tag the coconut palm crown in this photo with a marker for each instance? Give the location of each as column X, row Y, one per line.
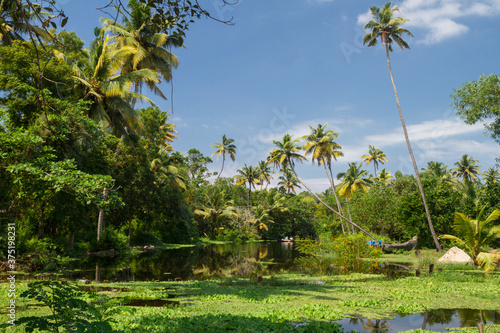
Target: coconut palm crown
column 387, row 27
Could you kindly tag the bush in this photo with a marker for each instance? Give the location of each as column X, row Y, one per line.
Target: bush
column 140, row 238
column 110, row 239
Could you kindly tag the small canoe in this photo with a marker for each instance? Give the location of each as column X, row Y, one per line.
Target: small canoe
column 407, row 246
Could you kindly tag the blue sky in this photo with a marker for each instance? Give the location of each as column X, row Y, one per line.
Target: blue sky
column 286, row 65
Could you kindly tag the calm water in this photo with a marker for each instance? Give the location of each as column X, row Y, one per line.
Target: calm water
column 241, row 260
column 436, row 320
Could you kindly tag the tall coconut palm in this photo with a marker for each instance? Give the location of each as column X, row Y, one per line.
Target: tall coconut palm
column 108, row 91
column 376, row 156
column 321, row 145
column 226, row 146
column 248, row 175
column 475, row 235
column 151, row 49
column 466, row 168
column 388, row 27
column 287, row 152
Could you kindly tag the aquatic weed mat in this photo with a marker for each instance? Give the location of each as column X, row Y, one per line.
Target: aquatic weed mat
column 287, row 303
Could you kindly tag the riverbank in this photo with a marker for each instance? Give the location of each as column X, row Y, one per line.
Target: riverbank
column 285, row 303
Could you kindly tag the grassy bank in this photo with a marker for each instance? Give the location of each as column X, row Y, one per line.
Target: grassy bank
column 285, row 303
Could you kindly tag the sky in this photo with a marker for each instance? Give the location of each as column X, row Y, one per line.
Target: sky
column 286, row 65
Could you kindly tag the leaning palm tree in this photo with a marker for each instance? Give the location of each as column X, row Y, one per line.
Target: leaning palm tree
column 226, row 146
column 388, row 28
column 466, row 168
column 287, row 152
column 376, row 156
column 475, row 235
column 248, row 175
column 151, row 49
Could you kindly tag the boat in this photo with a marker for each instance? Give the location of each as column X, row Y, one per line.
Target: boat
column 287, row 240
column 407, row 246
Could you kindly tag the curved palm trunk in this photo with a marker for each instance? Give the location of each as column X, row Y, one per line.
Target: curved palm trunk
column 419, row 182
column 223, row 159
column 330, row 178
column 326, row 205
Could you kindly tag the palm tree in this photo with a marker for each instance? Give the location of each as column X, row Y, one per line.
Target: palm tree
column 466, row 168
column 287, row 181
column 265, row 173
column 475, row 234
column 437, row 169
column 287, row 152
column 385, row 177
column 321, row 145
column 216, row 209
column 109, row 92
column 225, row 147
column 375, row 155
column 491, row 175
column 151, row 49
column 388, row 28
column 353, row 179
column 248, row 175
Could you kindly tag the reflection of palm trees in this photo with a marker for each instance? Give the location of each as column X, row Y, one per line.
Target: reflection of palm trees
column 376, row 324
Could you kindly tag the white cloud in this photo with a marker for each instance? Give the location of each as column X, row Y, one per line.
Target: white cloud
column 435, row 130
column 439, row 18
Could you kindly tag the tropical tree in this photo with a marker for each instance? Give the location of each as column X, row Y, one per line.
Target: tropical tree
column 466, row 168
column 388, row 28
column 99, row 83
column 287, row 181
column 385, row 177
column 376, row 156
column 353, row 179
column 321, row 145
column 216, row 210
column 248, row 175
column 475, row 234
column 151, row 48
column 265, row 173
column 491, row 175
column 287, row 152
column 226, row 146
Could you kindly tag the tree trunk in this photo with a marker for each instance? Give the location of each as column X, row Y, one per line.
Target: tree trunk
column 349, row 211
column 330, row 178
column 100, row 220
column 419, row 182
column 41, row 223
column 326, row 205
column 223, row 158
column 71, row 241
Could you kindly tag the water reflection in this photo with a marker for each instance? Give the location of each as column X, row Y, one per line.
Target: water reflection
column 204, row 262
column 436, row 320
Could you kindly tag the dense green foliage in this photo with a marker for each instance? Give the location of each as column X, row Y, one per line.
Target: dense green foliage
column 78, row 160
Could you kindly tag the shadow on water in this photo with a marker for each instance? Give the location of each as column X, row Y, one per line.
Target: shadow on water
column 439, row 320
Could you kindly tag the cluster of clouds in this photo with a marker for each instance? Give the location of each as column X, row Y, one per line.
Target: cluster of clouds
column 440, row 19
